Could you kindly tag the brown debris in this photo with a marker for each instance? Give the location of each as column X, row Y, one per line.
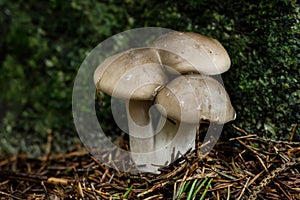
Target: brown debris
column 245, row 167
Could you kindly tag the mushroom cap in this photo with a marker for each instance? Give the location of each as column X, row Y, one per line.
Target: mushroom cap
column 192, row 52
column 133, row 74
column 193, row 98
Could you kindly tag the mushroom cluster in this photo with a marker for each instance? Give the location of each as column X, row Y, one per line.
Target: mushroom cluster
column 173, row 74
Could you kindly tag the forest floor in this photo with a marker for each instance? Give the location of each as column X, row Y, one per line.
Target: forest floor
column 245, row 167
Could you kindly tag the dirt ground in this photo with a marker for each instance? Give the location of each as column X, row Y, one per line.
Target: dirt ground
column 245, row 167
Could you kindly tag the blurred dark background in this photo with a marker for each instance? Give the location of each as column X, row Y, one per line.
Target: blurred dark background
column 42, row 45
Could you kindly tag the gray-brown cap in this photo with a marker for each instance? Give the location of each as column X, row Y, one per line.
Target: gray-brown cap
column 133, row 74
column 192, row 98
column 192, row 52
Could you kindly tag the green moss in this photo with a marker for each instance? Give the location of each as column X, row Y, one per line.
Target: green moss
column 43, row 45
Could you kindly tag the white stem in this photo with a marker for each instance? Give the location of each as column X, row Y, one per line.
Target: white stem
column 149, row 151
column 173, row 140
column 141, row 138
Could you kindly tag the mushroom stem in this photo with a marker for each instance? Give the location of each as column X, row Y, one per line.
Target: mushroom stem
column 173, row 140
column 150, row 150
column 141, row 132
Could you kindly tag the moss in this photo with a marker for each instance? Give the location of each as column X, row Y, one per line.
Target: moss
column 43, row 45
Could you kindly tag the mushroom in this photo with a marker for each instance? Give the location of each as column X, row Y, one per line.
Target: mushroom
column 134, row 75
column 140, row 76
column 186, row 101
column 180, row 101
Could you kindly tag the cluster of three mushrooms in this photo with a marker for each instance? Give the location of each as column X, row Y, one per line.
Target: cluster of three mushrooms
column 172, row 75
